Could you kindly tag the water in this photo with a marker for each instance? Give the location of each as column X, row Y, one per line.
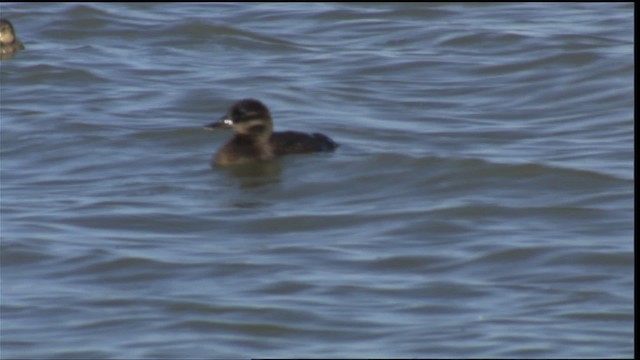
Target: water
column 480, row 203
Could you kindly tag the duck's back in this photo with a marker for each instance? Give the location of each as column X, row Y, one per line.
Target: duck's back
column 294, row 142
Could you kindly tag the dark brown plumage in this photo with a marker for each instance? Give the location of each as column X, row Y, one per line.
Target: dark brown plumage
column 254, row 139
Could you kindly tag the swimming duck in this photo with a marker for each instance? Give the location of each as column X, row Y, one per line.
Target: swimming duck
column 255, row 139
column 9, row 44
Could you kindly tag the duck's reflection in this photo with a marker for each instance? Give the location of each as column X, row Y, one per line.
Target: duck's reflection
column 256, row 174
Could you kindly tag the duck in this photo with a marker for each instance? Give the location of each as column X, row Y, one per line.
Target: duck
column 9, row 43
column 255, row 140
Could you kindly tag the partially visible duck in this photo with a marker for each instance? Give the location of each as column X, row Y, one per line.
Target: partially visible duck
column 9, row 43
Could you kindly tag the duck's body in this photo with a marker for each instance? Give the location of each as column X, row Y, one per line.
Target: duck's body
column 9, row 43
column 254, row 139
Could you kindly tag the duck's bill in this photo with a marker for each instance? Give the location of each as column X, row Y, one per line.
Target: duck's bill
column 223, row 123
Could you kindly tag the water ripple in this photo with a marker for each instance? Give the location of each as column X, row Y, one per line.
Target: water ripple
column 484, row 181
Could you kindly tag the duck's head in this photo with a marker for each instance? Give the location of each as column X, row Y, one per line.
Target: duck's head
column 7, row 34
column 246, row 117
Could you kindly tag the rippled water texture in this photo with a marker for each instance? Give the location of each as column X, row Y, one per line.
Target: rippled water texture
column 480, row 203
